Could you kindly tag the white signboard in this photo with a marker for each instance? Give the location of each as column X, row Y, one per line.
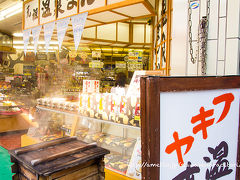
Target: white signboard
column 85, row 5
column 47, row 11
column 67, row 8
column 91, row 86
column 31, row 14
column 199, row 134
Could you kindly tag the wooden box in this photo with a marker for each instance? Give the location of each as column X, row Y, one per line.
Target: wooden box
column 62, row 159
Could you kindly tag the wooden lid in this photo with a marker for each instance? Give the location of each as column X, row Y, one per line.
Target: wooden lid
column 49, row 157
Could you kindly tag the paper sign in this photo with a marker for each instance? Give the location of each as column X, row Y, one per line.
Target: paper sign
column 26, row 36
column 134, row 167
column 47, row 11
column 96, row 54
column 36, row 32
column 120, row 65
column 31, row 14
column 62, row 26
column 96, row 64
column 199, row 134
column 9, row 79
column 91, row 86
column 78, row 23
column 48, row 31
column 66, row 8
column 133, row 66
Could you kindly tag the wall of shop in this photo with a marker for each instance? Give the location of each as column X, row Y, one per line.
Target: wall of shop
column 223, row 38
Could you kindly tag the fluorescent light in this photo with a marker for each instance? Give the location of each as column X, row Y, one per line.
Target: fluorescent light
column 32, row 47
column 13, row 13
column 40, row 42
column 18, row 34
column 6, row 13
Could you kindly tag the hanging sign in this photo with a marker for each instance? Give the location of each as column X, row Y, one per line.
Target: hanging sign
column 133, row 66
column 36, row 32
column 66, row 8
column 47, row 11
column 62, row 26
column 135, row 56
column 48, row 31
column 39, row 12
column 26, row 36
column 85, row 5
column 96, row 64
column 31, row 14
column 84, row 56
column 120, row 65
column 78, row 23
column 96, row 54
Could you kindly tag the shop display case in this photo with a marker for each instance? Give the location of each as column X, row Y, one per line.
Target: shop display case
column 108, row 119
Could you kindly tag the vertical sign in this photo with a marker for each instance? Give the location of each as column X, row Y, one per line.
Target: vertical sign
column 85, row 5
column 31, row 14
column 66, row 8
column 91, row 86
column 47, row 11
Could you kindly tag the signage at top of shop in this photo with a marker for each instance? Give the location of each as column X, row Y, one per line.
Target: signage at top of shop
column 38, row 12
column 199, row 139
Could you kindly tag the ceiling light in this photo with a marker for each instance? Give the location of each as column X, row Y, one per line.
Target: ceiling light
column 15, row 9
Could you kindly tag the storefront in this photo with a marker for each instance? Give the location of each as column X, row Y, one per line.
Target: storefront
column 77, row 67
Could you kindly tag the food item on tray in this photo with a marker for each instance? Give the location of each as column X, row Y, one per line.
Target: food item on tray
column 117, row 162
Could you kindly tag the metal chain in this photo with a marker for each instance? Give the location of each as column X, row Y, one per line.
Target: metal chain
column 190, row 31
column 204, row 26
column 201, row 39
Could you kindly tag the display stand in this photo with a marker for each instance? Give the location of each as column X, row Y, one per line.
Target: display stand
column 172, row 110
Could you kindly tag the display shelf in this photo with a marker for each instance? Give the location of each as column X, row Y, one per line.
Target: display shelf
column 88, row 118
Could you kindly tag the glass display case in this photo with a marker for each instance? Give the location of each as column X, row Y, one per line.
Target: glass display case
column 110, row 120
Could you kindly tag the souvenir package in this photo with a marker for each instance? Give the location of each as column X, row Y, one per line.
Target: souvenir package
column 117, row 162
column 91, row 105
column 134, row 111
